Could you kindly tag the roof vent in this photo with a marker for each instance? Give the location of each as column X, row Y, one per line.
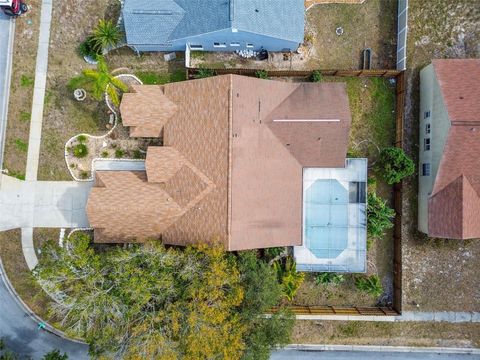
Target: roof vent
column 461, row 97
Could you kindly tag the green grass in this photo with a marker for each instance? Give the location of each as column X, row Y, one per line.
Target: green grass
column 25, row 116
column 154, row 78
column 26, row 81
column 18, row 175
column 21, row 145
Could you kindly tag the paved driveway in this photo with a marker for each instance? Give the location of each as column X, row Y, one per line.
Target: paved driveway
column 29, row 204
column 6, row 31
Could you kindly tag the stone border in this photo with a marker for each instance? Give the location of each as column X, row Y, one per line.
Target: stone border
column 115, row 116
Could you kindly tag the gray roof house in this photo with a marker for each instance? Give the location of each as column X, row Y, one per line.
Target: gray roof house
column 214, row 25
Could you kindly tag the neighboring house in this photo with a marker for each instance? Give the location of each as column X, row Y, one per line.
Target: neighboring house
column 232, row 165
column 449, row 168
column 214, row 25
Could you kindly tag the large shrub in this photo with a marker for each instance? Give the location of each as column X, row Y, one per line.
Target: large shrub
column 105, row 35
column 394, row 165
column 379, row 216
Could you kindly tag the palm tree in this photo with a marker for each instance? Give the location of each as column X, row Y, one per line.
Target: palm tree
column 106, row 35
column 99, row 82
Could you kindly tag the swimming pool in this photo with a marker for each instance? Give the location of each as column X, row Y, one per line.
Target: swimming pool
column 334, row 219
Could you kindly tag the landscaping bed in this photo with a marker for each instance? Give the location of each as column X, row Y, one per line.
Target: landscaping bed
column 21, row 90
column 438, row 274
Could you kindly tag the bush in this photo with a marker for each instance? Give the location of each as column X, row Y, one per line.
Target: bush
column 395, row 165
column 81, row 139
column 288, row 276
column 137, row 154
column 55, row 355
column 369, row 284
column 104, row 154
column 316, row 76
column 261, row 74
column 329, row 278
column 80, row 150
column 379, row 216
column 119, row 153
column 83, row 174
column 272, row 253
column 88, row 48
column 204, row 73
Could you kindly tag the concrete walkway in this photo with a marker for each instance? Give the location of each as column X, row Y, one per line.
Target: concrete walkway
column 7, row 31
column 39, row 92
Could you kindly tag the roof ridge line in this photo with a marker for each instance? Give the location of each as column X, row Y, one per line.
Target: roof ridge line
column 230, row 157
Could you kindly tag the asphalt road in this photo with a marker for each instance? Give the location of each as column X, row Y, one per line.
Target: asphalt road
column 365, row 355
column 5, row 29
column 22, row 336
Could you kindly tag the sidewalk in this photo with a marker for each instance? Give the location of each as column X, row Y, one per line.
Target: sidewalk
column 39, row 92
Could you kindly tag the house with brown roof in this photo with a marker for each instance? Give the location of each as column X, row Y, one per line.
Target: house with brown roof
column 231, row 165
column 449, row 169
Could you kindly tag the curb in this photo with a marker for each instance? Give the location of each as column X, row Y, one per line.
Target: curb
column 37, row 319
column 376, row 348
column 8, row 80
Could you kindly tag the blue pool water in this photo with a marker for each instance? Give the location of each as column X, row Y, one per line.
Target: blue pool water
column 326, row 218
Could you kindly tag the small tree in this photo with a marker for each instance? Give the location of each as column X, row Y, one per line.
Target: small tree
column 100, row 81
column 369, row 284
column 288, row 277
column 105, row 35
column 316, row 76
column 395, row 165
column 379, row 216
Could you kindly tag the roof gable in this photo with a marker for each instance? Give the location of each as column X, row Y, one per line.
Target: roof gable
column 459, row 81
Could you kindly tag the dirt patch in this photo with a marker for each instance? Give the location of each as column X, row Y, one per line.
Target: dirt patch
column 438, row 274
column 21, row 92
column 386, row 333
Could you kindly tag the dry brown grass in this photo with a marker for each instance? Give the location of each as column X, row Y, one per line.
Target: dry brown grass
column 386, row 333
column 21, row 92
column 368, row 25
column 438, row 275
column 19, row 274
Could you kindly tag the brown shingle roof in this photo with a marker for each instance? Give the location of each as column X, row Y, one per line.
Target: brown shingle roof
column 459, row 82
column 454, row 206
column 245, row 181
column 146, row 110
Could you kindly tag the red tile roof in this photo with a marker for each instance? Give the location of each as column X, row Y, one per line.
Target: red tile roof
column 454, row 206
column 235, row 149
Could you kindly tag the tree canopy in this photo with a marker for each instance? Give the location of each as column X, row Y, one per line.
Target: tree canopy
column 395, row 165
column 146, row 301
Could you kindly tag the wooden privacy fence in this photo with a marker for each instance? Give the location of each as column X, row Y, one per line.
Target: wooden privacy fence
column 332, row 310
column 191, row 72
column 400, row 92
